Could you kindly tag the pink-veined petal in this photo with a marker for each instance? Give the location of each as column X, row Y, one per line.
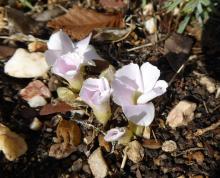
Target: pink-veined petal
column 142, row 114
column 114, row 134
column 130, row 75
column 150, row 75
column 60, row 41
column 159, row 89
column 122, row 95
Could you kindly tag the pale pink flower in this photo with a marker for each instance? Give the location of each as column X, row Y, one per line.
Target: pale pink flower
column 96, row 93
column 68, row 59
column 134, row 87
column 114, row 134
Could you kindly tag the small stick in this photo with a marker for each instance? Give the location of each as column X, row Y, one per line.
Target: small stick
column 139, row 47
column 200, row 132
column 125, row 157
column 188, row 150
column 154, row 136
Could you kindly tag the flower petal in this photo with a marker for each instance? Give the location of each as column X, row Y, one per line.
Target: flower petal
column 130, row 75
column 114, row 134
column 150, row 75
column 142, row 114
column 60, row 41
column 159, row 89
column 89, row 54
column 122, row 95
column 52, row 55
column 83, row 44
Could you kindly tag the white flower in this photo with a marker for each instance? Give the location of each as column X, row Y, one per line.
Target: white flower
column 134, row 87
column 68, row 59
column 96, row 93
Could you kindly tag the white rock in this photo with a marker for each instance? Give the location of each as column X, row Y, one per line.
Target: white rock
column 181, row 114
column 135, row 151
column 150, row 25
column 97, row 164
column 169, row 146
column 208, row 83
column 36, row 124
column 11, row 144
column 37, row 101
column 26, row 65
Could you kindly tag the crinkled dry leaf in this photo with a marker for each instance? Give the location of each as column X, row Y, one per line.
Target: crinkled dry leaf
column 60, row 150
column 79, row 22
column 112, row 4
column 68, row 137
column 37, row 46
column 69, row 132
column 169, row 146
column 56, row 107
column 11, row 144
column 6, row 51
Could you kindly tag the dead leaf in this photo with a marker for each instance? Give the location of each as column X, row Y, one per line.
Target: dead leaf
column 56, row 107
column 112, row 4
column 6, row 51
column 181, row 114
column 11, row 144
column 69, row 132
column 198, row 156
column 68, row 137
column 37, row 46
column 177, row 48
column 23, row 23
column 60, row 150
column 78, row 22
column 151, row 144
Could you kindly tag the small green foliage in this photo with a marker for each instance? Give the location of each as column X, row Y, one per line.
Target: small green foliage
column 26, row 3
column 197, row 9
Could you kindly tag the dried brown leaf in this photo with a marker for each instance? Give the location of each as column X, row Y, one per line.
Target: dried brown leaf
column 112, row 4
column 78, row 22
column 6, row 51
column 52, row 108
column 68, row 137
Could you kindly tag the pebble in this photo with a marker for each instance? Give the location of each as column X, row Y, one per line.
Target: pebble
column 97, row 164
column 36, row 124
column 169, row 146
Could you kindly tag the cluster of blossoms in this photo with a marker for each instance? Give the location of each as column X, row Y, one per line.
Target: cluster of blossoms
column 132, row 87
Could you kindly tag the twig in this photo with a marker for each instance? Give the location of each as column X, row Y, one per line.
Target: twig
column 139, row 47
column 154, row 136
column 206, row 109
column 174, row 76
column 200, row 132
column 188, row 150
column 125, row 157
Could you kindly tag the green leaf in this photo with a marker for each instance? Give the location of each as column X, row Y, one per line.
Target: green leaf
column 199, row 8
column 205, row 2
column 183, row 24
column 171, row 5
column 190, row 6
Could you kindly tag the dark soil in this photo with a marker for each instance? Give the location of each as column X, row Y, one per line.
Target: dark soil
column 17, row 115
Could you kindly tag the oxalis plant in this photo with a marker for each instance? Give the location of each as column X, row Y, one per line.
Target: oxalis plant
column 190, row 9
column 133, row 87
